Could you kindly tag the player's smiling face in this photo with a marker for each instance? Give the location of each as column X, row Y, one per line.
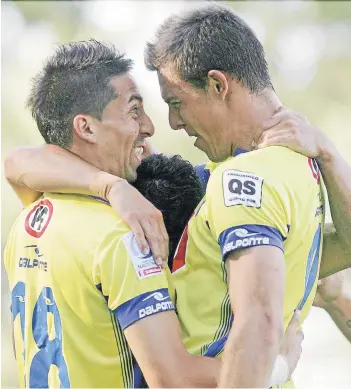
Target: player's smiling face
column 121, row 133
column 199, row 112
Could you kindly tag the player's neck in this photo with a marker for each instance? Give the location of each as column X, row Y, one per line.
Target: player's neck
column 94, row 156
column 266, row 105
column 255, row 110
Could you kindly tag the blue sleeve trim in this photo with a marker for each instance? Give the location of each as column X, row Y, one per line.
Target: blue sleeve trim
column 312, row 266
column 144, row 305
column 249, row 235
column 216, row 347
column 203, row 174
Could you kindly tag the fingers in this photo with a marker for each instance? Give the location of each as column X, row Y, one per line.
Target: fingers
column 279, row 137
column 164, row 235
column 294, row 322
column 300, row 334
column 149, row 235
column 144, row 219
column 156, row 235
column 281, row 114
column 139, row 233
column 284, row 118
column 270, row 123
column 293, row 327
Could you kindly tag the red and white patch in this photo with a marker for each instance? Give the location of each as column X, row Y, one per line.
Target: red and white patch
column 314, row 168
column 39, row 218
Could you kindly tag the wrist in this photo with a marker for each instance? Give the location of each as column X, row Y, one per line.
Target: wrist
column 326, row 150
column 280, row 373
column 116, row 186
column 102, row 184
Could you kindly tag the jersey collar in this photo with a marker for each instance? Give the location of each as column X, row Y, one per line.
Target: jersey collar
column 239, row 151
column 211, row 166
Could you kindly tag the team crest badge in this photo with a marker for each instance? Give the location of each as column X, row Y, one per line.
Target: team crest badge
column 39, row 218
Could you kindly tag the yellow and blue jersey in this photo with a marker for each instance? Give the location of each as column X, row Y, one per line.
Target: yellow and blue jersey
column 77, row 280
column 269, row 197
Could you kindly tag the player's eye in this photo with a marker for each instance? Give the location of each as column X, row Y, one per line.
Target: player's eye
column 175, row 104
column 134, row 111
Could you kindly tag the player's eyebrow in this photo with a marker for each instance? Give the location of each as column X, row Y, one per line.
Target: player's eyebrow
column 135, row 96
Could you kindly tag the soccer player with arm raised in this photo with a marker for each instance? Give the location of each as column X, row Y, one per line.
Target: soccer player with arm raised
column 259, row 230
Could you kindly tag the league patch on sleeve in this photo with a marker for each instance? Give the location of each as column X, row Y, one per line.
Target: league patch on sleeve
column 144, row 265
column 241, row 188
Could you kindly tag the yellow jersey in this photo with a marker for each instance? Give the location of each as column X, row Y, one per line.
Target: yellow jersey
column 271, row 197
column 77, row 280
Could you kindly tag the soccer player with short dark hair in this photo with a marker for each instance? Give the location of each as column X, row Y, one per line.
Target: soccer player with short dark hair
column 256, row 241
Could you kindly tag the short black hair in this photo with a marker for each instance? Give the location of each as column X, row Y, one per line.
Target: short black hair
column 75, row 80
column 172, row 186
column 209, row 38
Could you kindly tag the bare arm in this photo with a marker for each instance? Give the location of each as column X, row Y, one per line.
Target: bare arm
column 334, row 257
column 49, row 168
column 256, row 287
column 340, row 311
column 290, row 129
column 331, row 296
column 337, row 177
column 157, row 346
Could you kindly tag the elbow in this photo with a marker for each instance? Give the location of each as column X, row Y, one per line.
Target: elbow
column 10, row 165
column 264, row 326
column 177, row 375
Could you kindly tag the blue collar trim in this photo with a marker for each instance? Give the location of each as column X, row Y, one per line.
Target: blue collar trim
column 239, row 151
column 100, row 199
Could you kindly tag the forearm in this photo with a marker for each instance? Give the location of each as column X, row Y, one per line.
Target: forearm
column 195, row 372
column 340, row 311
column 249, row 356
column 336, row 173
column 335, row 257
column 50, row 168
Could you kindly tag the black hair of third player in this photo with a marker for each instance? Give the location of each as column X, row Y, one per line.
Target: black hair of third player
column 171, row 185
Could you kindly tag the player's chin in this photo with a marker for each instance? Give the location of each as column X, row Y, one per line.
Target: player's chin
column 135, row 161
column 201, row 145
column 131, row 172
column 215, row 156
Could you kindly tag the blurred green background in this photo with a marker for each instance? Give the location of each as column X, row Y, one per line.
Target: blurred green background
column 308, row 46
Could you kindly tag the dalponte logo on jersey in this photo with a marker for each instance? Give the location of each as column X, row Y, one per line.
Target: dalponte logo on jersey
column 156, row 307
column 39, row 218
column 246, row 240
column 157, row 296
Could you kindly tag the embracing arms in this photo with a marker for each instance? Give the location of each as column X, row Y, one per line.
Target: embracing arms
column 49, row 168
column 290, row 129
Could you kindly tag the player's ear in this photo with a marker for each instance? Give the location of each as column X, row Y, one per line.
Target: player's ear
column 83, row 126
column 217, row 84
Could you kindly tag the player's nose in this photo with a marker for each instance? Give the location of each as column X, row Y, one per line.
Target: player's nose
column 147, row 127
column 175, row 121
